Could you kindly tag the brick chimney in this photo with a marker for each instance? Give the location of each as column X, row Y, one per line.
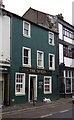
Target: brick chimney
column 60, row 16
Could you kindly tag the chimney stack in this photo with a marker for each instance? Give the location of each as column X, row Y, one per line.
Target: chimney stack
column 1, row 4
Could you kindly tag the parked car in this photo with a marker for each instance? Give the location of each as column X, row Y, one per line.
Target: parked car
column 73, row 97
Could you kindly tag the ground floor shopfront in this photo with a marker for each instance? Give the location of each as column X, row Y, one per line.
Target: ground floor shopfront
column 30, row 85
column 4, row 85
column 66, row 81
column 69, row 81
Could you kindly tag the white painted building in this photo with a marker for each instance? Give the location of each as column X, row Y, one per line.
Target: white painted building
column 66, row 56
column 73, row 13
column 4, row 56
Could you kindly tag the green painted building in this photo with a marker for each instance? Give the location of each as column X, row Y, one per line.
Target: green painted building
column 34, row 62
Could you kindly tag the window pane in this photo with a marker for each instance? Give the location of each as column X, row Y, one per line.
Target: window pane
column 25, row 52
column 25, row 60
column 39, row 63
column 51, row 61
column 51, row 58
column 50, row 40
column 26, row 32
column 40, row 56
column 73, row 74
column 47, row 81
column 68, row 85
column 26, row 25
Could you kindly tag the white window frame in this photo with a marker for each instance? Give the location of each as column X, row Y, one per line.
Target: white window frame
column 23, row 84
column 53, row 66
column 42, row 59
column 50, row 85
column 29, row 30
column 29, row 56
column 51, row 38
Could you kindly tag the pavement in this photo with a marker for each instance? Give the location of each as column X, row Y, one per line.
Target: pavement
column 27, row 106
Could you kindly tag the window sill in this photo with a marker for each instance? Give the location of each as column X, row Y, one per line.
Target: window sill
column 40, row 67
column 24, row 65
column 27, row 36
column 51, row 44
column 20, row 94
column 53, row 69
column 48, row 93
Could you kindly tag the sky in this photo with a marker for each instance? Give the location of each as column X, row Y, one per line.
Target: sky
column 53, row 7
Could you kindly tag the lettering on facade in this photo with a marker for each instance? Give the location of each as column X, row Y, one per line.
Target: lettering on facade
column 34, row 71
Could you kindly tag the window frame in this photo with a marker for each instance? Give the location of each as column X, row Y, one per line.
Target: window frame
column 29, row 30
column 29, row 56
column 50, row 85
column 38, row 51
column 51, row 38
column 23, row 83
column 53, row 66
column 68, row 33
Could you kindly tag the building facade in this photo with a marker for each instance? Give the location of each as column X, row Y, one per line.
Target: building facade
column 66, row 57
column 4, row 57
column 34, row 62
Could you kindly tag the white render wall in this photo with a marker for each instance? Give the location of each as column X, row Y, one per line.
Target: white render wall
column 60, row 53
column 73, row 13
column 68, row 40
column 60, row 31
column 68, row 62
column 4, row 37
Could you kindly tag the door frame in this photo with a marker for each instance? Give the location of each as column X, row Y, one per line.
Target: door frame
column 31, row 75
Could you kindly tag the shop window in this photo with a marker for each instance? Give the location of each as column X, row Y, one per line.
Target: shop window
column 68, row 85
column 51, row 61
column 40, row 59
column 26, row 29
column 47, row 85
column 26, row 57
column 51, row 38
column 20, row 84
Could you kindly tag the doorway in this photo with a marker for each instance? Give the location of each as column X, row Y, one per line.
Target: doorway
column 32, row 88
column 6, row 89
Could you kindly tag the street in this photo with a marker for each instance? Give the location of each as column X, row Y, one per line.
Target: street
column 60, row 114
column 56, row 110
